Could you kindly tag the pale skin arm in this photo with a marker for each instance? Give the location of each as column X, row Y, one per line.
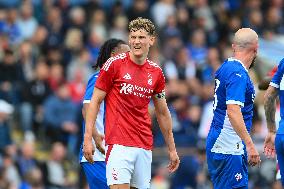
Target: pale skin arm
column 236, row 119
column 165, row 124
column 84, row 112
column 270, row 109
column 90, row 128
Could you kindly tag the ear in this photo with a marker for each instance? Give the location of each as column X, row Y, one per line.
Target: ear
column 234, row 47
column 152, row 40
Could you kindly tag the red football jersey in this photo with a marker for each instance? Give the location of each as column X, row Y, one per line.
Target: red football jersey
column 129, row 88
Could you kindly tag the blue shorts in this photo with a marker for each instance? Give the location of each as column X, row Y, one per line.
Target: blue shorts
column 227, row 171
column 95, row 174
column 279, row 146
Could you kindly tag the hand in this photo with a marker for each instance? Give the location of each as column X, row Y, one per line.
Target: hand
column 253, row 155
column 88, row 149
column 99, row 143
column 269, row 148
column 174, row 162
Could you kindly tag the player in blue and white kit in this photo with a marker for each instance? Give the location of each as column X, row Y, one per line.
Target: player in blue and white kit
column 276, row 87
column 96, row 172
column 229, row 147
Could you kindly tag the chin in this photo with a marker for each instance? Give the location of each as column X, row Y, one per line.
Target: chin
column 138, row 54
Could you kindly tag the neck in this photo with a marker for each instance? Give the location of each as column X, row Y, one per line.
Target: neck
column 245, row 58
column 137, row 60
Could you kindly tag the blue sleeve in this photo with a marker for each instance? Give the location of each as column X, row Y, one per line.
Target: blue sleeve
column 275, row 82
column 236, row 88
column 90, row 88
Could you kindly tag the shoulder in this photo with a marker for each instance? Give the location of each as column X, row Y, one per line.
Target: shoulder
column 92, row 80
column 234, row 66
column 114, row 60
column 226, row 68
column 231, row 68
column 153, row 65
column 93, row 77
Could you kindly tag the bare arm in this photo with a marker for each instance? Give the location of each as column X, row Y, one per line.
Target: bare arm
column 237, row 121
column 90, row 128
column 93, row 109
column 270, row 108
column 165, row 124
column 84, row 112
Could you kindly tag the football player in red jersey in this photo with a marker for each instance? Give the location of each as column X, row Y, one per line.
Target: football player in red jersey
column 127, row 82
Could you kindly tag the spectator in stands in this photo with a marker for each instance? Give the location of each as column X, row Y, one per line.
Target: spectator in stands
column 11, row 78
column 27, row 23
column 26, row 161
column 60, row 115
column 33, row 180
column 54, row 170
column 33, row 96
column 11, row 172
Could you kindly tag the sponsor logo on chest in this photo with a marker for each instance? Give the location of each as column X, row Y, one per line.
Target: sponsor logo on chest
column 132, row 89
column 129, row 88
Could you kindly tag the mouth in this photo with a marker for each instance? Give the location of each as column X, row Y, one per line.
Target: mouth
column 137, row 48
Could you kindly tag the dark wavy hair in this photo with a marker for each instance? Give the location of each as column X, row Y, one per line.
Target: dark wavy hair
column 106, row 50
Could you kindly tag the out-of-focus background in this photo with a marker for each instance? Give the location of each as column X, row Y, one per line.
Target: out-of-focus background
column 47, row 48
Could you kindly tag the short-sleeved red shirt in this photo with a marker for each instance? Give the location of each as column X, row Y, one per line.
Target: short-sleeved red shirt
column 129, row 88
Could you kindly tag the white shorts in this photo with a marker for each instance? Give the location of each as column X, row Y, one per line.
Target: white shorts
column 128, row 165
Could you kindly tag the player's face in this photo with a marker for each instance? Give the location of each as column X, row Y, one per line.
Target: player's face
column 140, row 42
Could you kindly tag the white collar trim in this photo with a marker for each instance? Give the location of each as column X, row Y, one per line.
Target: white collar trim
column 234, row 59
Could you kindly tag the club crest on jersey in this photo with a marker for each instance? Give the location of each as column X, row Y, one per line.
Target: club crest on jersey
column 238, row 176
column 149, row 79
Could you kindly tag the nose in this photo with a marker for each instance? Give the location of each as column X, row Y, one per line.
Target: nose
column 136, row 40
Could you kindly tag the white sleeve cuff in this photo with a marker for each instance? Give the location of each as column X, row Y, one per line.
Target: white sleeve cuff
column 235, row 102
column 274, row 85
column 86, row 101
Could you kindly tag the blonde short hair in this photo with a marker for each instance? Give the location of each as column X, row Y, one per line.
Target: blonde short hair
column 142, row 23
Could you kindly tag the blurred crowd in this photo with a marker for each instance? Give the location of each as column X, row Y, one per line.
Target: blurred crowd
column 48, row 47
